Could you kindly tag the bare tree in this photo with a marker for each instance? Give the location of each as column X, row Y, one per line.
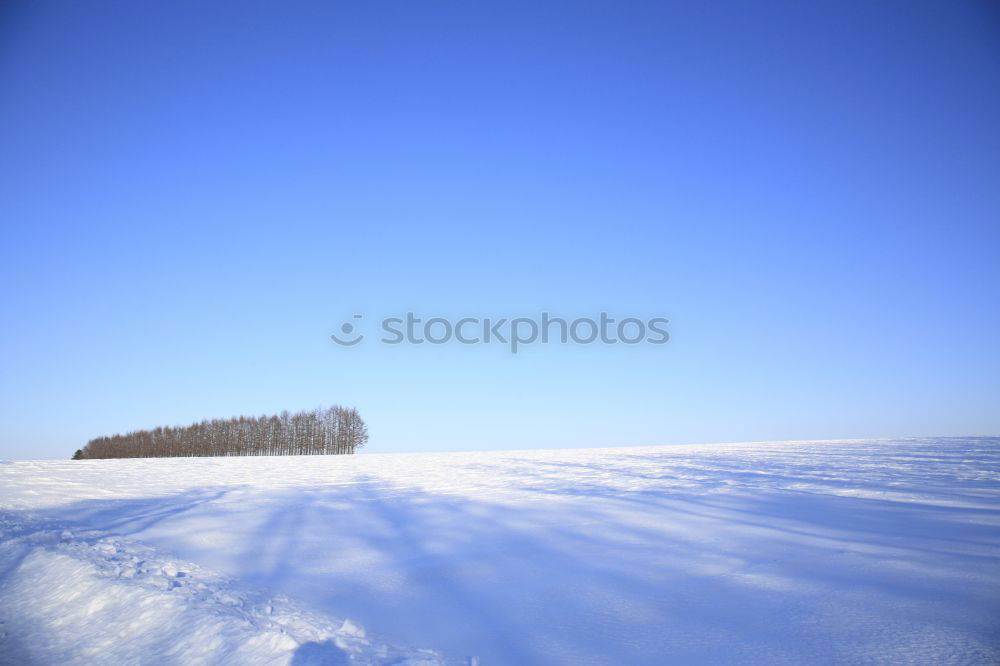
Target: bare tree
column 335, row 430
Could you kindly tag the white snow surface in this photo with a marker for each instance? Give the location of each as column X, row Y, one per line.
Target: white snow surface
column 834, row 552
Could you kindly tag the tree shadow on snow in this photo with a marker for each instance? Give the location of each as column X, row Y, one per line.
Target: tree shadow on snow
column 580, row 571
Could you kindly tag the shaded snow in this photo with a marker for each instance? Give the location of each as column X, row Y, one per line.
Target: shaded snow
column 833, row 552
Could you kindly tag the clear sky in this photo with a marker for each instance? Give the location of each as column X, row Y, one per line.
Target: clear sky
column 194, row 196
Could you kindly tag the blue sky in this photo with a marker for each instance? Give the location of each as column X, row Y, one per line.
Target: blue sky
column 193, row 196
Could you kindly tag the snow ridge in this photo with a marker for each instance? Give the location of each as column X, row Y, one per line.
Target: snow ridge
column 71, row 597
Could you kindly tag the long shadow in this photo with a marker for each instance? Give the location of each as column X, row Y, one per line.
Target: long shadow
column 588, row 573
column 122, row 517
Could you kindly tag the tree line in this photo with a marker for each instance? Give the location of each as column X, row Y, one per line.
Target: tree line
column 336, row 430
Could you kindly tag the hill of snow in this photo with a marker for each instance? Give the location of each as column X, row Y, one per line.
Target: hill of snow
column 792, row 552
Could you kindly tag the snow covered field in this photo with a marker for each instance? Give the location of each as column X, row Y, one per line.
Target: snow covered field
column 801, row 552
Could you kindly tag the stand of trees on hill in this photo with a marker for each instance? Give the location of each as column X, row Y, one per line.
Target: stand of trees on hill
column 317, row 432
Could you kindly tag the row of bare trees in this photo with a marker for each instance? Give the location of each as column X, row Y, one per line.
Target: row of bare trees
column 317, row 432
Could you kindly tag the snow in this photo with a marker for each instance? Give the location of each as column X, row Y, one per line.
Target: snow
column 794, row 552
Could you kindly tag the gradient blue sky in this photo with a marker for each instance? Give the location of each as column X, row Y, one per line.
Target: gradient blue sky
column 194, row 195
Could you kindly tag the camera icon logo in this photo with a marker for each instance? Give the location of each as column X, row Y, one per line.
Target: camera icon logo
column 347, row 329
